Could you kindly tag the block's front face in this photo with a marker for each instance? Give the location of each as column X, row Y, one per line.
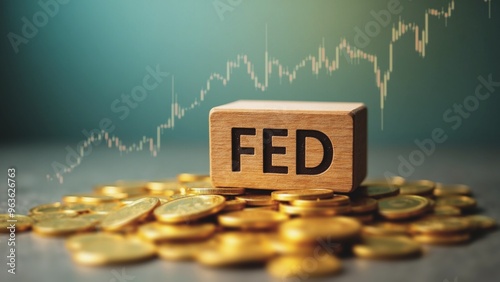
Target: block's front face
column 281, row 149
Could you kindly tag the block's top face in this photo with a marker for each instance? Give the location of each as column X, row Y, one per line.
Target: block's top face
column 340, row 108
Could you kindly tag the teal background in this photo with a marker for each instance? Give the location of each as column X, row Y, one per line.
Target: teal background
column 64, row 79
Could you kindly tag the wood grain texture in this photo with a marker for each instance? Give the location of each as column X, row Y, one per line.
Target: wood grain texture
column 344, row 124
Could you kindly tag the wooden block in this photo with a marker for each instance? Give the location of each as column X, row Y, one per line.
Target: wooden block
column 288, row 145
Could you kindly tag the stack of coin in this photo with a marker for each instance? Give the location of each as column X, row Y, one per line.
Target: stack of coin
column 297, row 233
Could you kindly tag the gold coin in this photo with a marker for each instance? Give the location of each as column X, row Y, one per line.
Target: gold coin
column 235, row 239
column 377, row 192
column 389, row 247
column 337, row 200
column 303, row 194
column 77, row 207
column 390, row 182
column 93, row 217
column 364, row 205
column 481, row 222
column 181, row 251
column 451, row 189
column 402, row 206
column 461, row 202
column 257, row 200
column 79, row 241
column 166, row 187
column 130, row 214
column 52, row 215
column 309, row 230
column 252, row 219
column 87, row 198
column 298, row 266
column 234, row 205
column 268, row 208
column 62, row 226
column 162, row 198
column 158, row 232
column 190, row 177
column 122, row 189
column 228, row 191
column 385, row 229
column 113, row 251
column 455, row 238
column 217, row 256
column 440, row 225
column 419, row 188
column 48, row 208
column 19, row 223
column 362, row 217
column 105, row 208
column 190, row 208
column 446, row 211
column 314, row 211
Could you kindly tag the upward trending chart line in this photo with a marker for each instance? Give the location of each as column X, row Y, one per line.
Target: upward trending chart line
column 315, row 63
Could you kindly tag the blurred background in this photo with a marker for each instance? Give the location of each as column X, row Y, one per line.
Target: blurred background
column 70, row 68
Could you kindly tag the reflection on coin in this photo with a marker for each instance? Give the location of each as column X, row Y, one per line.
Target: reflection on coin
column 252, row 219
column 309, row 230
column 181, row 251
column 257, row 200
column 157, row 232
column 377, row 192
column 419, row 188
column 314, row 211
column 337, row 200
column 441, row 225
column 87, row 198
column 234, row 205
column 189, row 208
column 229, row 191
column 77, row 242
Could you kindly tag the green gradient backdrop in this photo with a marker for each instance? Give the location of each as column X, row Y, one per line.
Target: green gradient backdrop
column 66, row 77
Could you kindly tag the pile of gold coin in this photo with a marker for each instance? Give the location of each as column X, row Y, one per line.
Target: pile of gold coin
column 294, row 233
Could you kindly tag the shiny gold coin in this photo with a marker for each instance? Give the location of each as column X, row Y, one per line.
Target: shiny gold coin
column 228, row 191
column 309, row 230
column 162, row 198
column 257, row 200
column 481, row 222
column 441, row 225
column 364, row 205
column 402, row 206
column 303, row 194
column 256, row 208
column 337, row 200
column 448, row 239
column 62, row 226
column 419, row 188
column 48, row 208
column 166, row 187
column 190, row 177
column 216, row 256
column 296, row 266
column 390, row 247
column 235, row 239
column 252, row 219
column 105, row 208
column 181, row 251
column 385, row 229
column 314, row 211
column 87, row 198
column 446, row 211
column 451, row 189
column 122, row 189
column 16, row 222
column 190, row 208
column 53, row 215
column 79, row 241
column 461, row 202
column 114, row 251
column 158, row 232
column 130, row 214
column 234, row 205
column 377, row 192
column 388, row 182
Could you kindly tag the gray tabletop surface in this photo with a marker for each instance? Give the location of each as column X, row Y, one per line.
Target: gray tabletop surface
column 46, row 259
